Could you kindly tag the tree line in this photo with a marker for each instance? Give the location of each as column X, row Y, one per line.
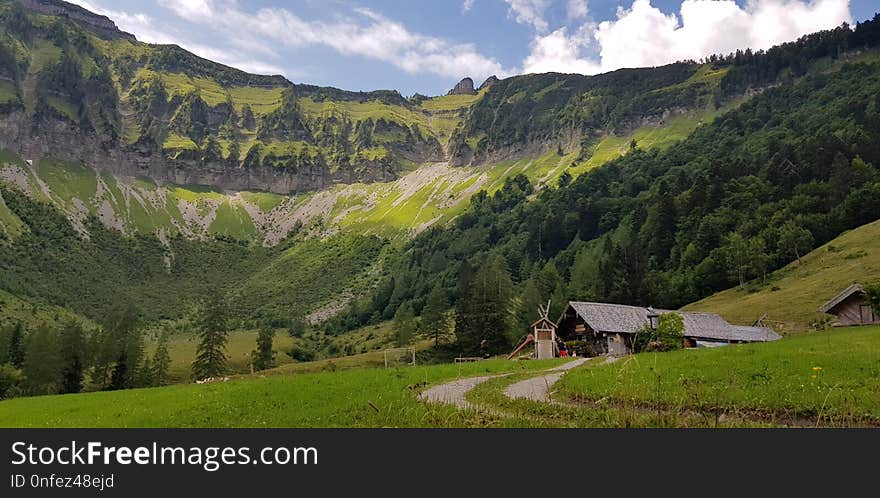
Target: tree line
column 74, row 357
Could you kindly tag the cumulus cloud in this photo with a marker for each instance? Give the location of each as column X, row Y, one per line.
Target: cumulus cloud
column 529, row 12
column 645, row 36
column 467, row 5
column 577, row 9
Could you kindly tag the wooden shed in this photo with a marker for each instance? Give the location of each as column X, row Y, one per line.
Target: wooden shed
column 851, row 307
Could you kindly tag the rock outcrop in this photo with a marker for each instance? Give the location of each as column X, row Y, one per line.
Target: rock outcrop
column 95, row 22
column 464, row 87
column 491, row 80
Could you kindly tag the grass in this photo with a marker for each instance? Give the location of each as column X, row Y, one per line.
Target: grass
column 266, row 201
column 8, row 92
column 233, row 221
column 827, row 378
column 68, row 180
column 352, row 398
column 792, row 295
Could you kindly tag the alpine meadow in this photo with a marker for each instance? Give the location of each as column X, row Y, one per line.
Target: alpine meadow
column 185, row 244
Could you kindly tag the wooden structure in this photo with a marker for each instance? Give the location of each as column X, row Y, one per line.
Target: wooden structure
column 851, row 307
column 610, row 329
column 544, row 333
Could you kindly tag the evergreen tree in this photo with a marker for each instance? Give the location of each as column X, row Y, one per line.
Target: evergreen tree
column 435, row 320
column 73, row 353
column 161, row 359
column 120, row 340
column 119, row 376
column 17, row 346
column 482, row 314
column 404, row 325
column 43, row 362
column 213, row 335
column 263, row 356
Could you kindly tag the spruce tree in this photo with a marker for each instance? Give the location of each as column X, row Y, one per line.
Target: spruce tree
column 213, row 335
column 73, row 351
column 264, row 357
column 435, row 319
column 43, row 362
column 404, row 325
column 482, row 313
column 161, row 360
column 17, row 346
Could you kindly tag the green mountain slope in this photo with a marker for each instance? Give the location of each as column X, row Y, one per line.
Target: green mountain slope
column 791, row 296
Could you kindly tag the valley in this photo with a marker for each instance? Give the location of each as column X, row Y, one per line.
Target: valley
column 152, row 201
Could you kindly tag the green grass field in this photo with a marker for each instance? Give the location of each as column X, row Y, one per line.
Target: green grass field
column 829, row 378
column 792, row 296
column 353, row 398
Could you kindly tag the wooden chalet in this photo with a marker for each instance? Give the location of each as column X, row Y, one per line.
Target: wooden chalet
column 851, row 307
column 611, row 328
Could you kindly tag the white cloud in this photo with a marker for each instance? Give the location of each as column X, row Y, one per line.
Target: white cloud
column 529, row 12
column 467, row 5
column 644, row 36
column 364, row 33
column 558, row 52
column 577, row 9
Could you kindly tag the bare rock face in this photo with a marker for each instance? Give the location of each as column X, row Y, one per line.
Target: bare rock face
column 464, row 87
column 491, row 80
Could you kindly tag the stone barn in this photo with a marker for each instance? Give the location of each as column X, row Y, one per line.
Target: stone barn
column 611, row 328
column 851, row 307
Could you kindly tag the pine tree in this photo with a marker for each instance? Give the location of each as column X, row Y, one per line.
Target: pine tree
column 17, row 346
column 119, row 377
column 404, row 325
column 482, row 313
column 435, row 321
column 161, row 360
column 43, row 362
column 213, row 335
column 264, row 357
column 73, row 351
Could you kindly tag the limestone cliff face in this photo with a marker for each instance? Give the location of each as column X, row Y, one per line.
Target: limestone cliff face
column 464, row 87
column 62, row 140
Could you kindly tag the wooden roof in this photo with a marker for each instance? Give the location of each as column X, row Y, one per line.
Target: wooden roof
column 849, row 291
column 622, row 319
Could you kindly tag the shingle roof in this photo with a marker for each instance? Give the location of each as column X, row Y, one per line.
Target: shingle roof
column 618, row 318
column 849, row 291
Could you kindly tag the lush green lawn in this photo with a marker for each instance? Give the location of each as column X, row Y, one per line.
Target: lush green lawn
column 329, row 399
column 832, row 377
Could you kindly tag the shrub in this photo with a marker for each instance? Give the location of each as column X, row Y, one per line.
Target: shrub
column 580, row 348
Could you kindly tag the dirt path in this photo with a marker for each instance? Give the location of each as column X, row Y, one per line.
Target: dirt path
column 455, row 391
column 538, row 388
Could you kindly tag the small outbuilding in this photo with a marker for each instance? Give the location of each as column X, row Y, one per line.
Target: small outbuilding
column 851, row 307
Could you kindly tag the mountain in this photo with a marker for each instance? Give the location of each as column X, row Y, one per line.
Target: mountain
column 143, row 173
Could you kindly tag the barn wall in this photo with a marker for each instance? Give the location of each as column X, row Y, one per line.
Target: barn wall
column 850, row 312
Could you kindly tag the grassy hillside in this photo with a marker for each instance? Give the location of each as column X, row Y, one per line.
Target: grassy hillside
column 792, row 296
column 823, row 378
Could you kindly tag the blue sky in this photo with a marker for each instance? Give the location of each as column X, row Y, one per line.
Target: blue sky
column 427, row 46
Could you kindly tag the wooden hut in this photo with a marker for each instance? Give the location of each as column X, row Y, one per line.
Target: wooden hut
column 851, row 307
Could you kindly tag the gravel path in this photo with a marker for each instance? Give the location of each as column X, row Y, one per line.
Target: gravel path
column 454, row 392
column 538, row 388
